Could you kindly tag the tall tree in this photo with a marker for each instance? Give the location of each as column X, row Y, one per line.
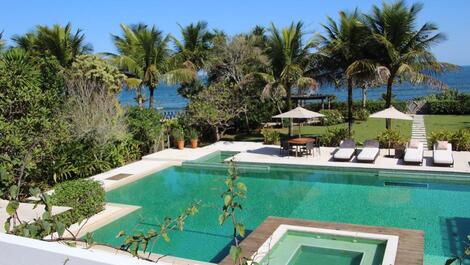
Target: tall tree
column 290, row 60
column 343, row 53
column 57, row 40
column 144, row 54
column 2, row 42
column 403, row 47
column 191, row 53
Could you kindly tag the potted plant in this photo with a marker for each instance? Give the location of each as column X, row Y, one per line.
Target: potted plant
column 193, row 137
column 178, row 136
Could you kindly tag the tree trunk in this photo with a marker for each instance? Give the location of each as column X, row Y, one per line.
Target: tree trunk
column 364, row 97
column 388, row 99
column 216, row 133
column 151, row 99
column 289, row 107
column 350, row 103
column 140, row 100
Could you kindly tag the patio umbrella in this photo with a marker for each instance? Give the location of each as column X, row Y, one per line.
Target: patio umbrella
column 391, row 113
column 299, row 113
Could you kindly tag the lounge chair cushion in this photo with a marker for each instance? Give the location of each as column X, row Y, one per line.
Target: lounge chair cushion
column 368, row 154
column 414, row 144
column 347, row 144
column 344, row 153
column 443, row 157
column 371, row 143
column 414, row 155
column 442, row 145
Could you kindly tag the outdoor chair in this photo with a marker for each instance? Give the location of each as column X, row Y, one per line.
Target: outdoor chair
column 414, row 153
column 370, row 152
column 345, row 151
column 442, row 154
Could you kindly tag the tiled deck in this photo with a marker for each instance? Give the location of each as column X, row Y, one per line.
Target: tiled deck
column 410, row 243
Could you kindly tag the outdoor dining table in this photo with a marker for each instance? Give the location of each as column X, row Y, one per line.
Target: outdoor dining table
column 299, row 142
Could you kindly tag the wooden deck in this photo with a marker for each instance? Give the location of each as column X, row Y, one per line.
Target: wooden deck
column 410, row 243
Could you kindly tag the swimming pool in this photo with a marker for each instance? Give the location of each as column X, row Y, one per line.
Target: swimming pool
column 392, row 199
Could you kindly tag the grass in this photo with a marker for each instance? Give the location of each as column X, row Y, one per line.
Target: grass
column 363, row 130
column 448, row 122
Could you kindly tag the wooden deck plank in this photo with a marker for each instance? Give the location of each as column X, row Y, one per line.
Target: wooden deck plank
column 410, row 244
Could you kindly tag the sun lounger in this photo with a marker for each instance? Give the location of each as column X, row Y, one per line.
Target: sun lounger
column 370, row 151
column 442, row 154
column 414, row 153
column 345, row 151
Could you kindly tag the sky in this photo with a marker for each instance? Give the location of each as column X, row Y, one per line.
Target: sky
column 100, row 18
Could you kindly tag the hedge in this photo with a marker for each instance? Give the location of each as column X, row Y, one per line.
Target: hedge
column 372, row 106
column 457, row 107
column 85, row 197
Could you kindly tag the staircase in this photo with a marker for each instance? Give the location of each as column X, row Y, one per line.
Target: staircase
column 418, row 131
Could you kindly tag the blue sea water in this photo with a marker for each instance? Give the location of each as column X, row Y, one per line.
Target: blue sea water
column 168, row 99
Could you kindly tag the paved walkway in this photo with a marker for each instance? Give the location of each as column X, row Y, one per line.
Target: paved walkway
column 419, row 130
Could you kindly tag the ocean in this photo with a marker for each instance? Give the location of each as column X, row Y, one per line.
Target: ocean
column 167, row 98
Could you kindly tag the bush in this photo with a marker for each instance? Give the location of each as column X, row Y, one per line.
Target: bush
column 271, row 136
column 85, row 197
column 361, row 114
column 391, row 139
column 332, row 117
column 451, row 106
column 146, row 127
column 333, row 137
column 460, row 139
column 372, row 106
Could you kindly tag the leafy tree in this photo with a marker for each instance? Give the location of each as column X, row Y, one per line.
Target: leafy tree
column 97, row 70
column 403, row 48
column 195, row 43
column 216, row 106
column 144, row 54
column 58, row 41
column 146, row 128
column 290, row 61
column 30, row 123
column 344, row 49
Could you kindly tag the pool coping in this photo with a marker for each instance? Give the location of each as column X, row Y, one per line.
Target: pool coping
column 410, row 246
column 389, row 253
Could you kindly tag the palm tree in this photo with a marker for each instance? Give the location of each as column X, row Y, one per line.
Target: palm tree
column 144, row 54
column 290, row 60
column 58, row 41
column 2, row 42
column 343, row 53
column 403, row 48
column 195, row 43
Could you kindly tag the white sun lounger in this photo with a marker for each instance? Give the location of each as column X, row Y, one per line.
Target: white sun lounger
column 370, row 151
column 414, row 153
column 345, row 151
column 443, row 157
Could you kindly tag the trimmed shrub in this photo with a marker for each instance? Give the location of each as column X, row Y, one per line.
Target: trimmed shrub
column 458, row 107
column 85, row 197
column 460, row 139
column 332, row 117
column 271, row 136
column 372, row 106
column 333, row 136
column 391, row 139
column 361, row 114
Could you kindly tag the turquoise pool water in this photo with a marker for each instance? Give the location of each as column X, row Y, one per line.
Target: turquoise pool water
column 440, row 209
column 301, row 248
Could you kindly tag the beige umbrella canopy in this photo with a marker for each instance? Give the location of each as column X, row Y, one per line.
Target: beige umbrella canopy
column 391, row 113
column 299, row 113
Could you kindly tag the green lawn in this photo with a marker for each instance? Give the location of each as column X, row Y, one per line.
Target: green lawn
column 362, row 130
column 449, row 122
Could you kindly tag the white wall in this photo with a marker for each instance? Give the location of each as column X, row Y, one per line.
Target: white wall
column 16, row 250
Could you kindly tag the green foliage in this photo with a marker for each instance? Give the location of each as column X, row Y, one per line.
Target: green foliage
column 31, row 125
column 372, row 106
column 271, row 136
column 85, row 197
column 140, row 241
column 57, row 41
column 93, row 68
column 146, row 128
column 333, row 136
column 459, row 139
column 391, row 139
column 217, row 106
column 456, row 107
column 332, row 117
column 177, row 134
column 193, row 134
column 361, row 114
